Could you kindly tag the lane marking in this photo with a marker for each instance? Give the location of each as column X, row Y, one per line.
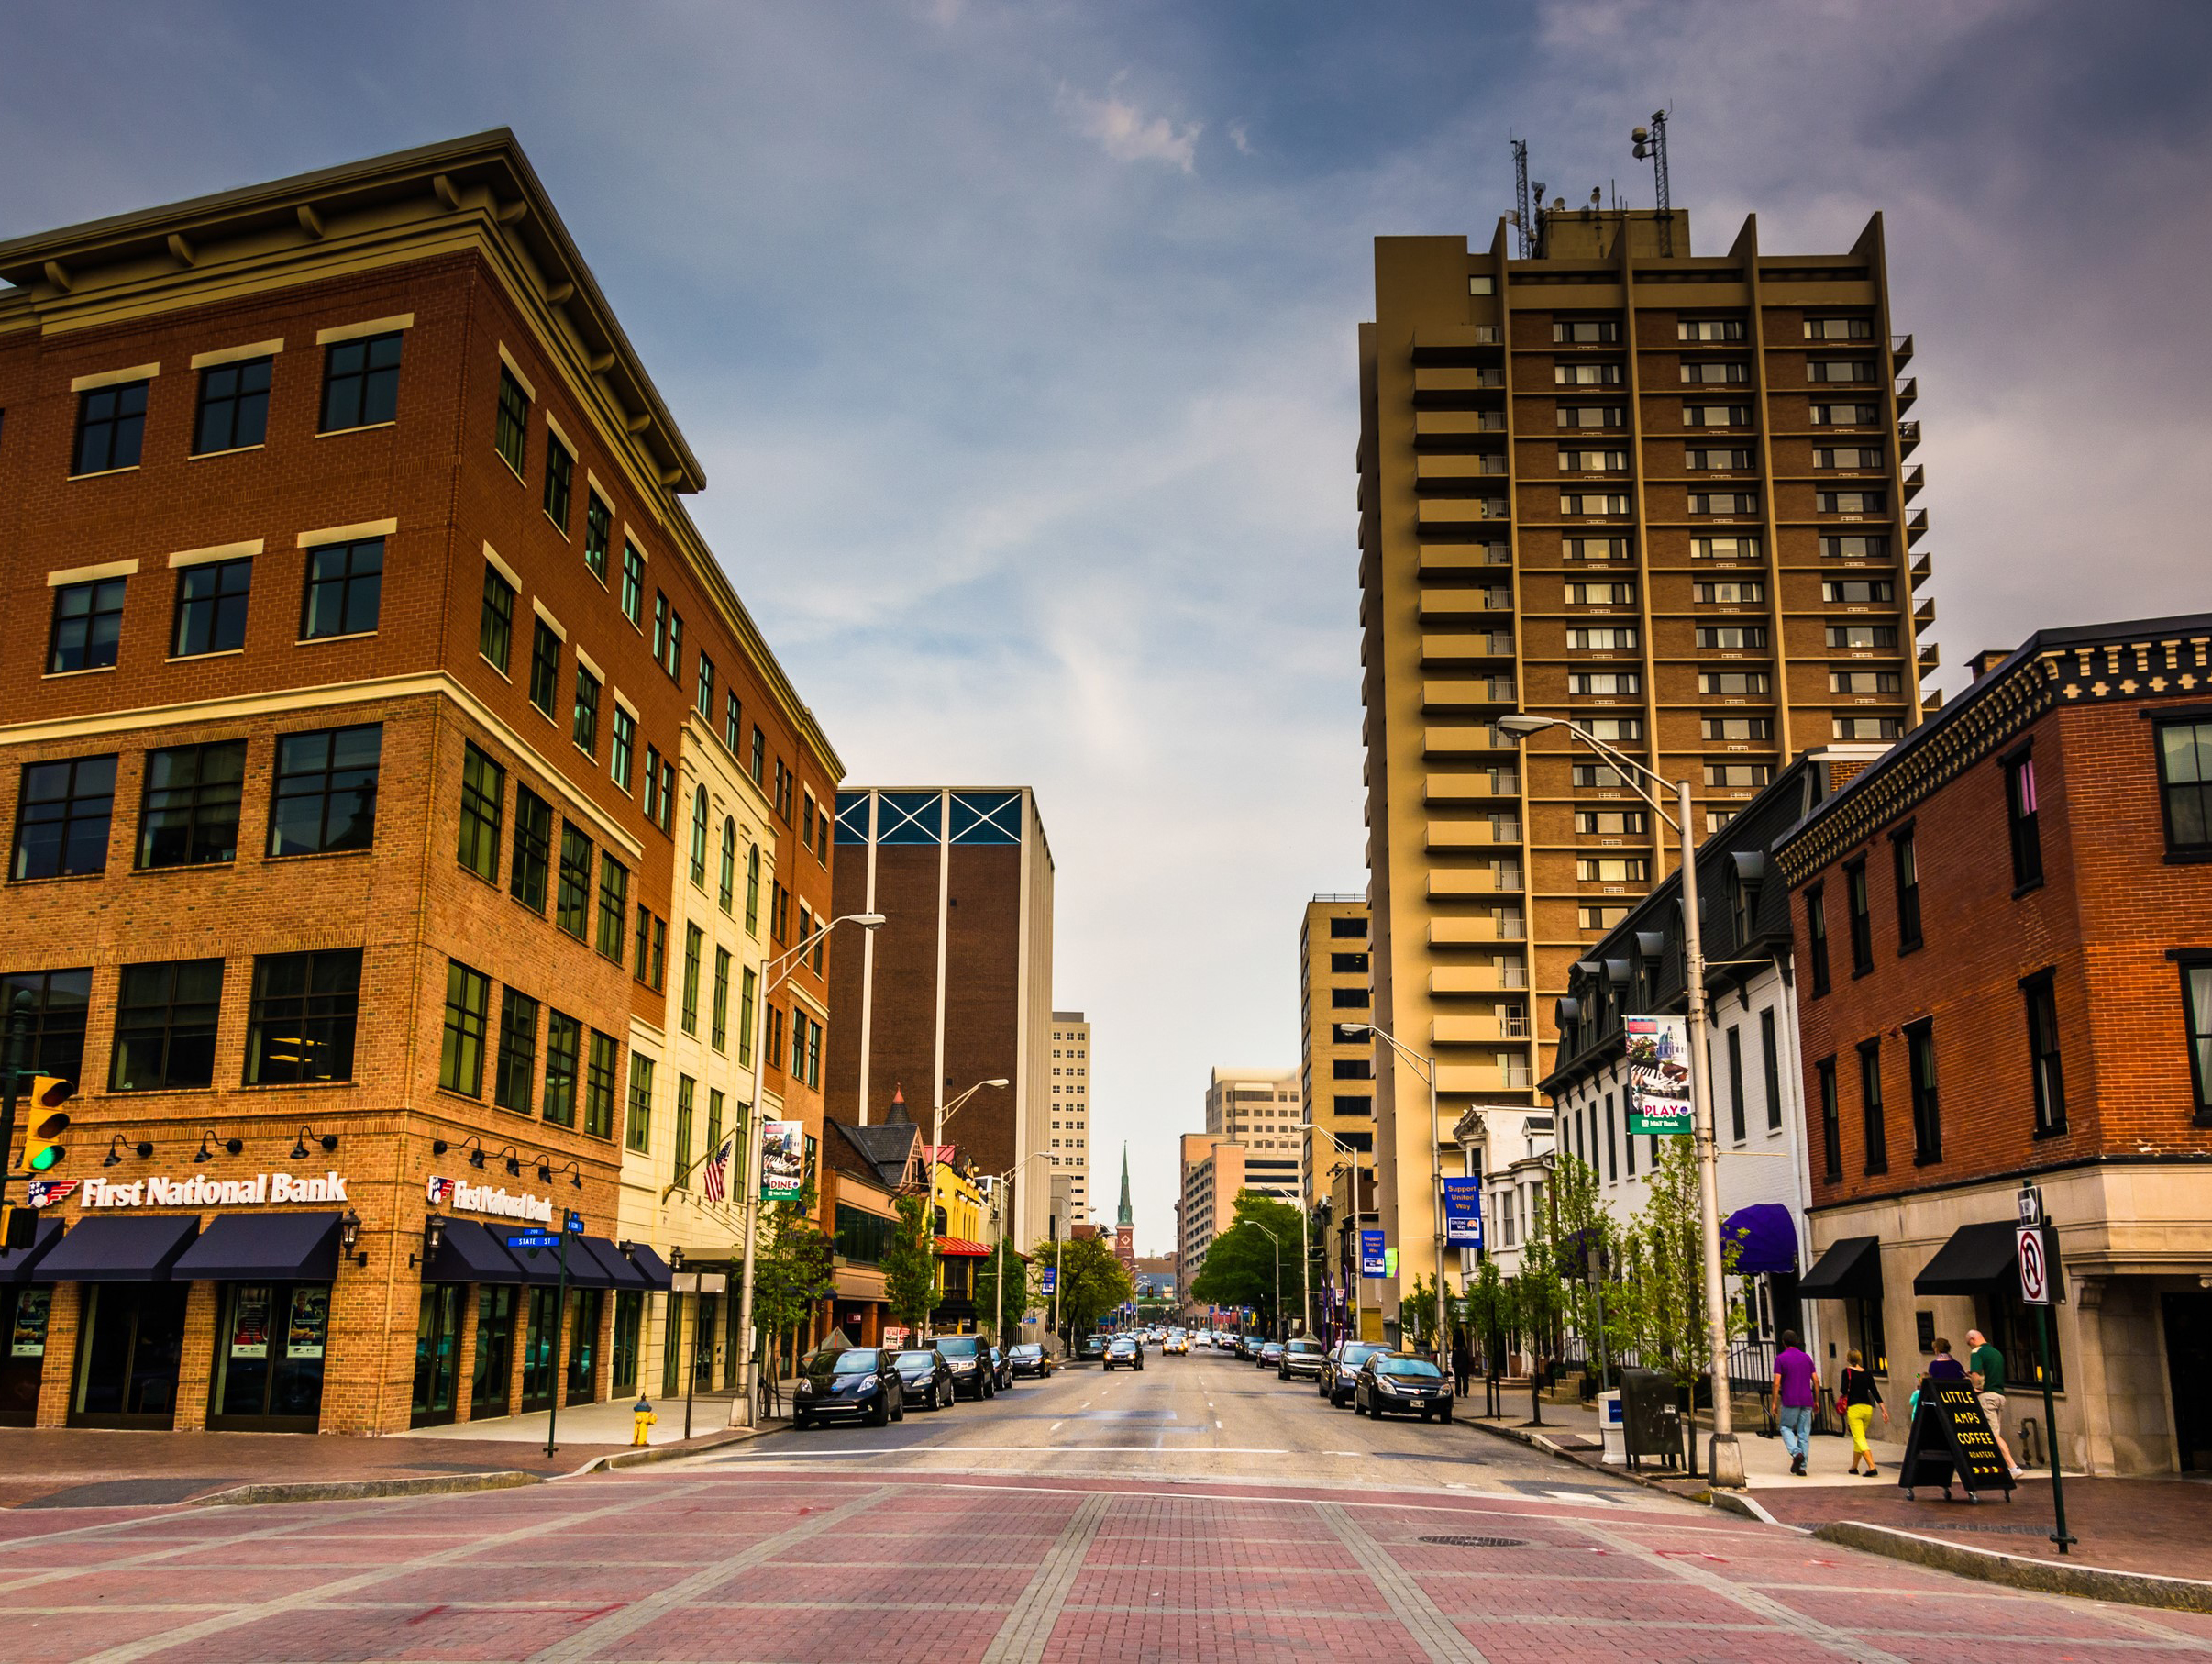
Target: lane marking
column 1023, row 1637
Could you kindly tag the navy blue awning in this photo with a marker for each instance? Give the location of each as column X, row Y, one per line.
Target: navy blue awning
column 469, row 1253
column 543, row 1265
column 133, row 1249
column 653, row 1267
column 17, row 1266
column 619, row 1273
column 1769, row 1238
column 264, row 1248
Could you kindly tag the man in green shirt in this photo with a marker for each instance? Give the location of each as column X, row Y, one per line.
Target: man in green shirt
column 1986, row 1365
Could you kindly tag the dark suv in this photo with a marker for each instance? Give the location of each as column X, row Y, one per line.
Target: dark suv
column 841, row 1384
column 969, row 1359
column 1341, row 1366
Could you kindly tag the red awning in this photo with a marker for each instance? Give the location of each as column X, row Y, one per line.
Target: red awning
column 961, row 1248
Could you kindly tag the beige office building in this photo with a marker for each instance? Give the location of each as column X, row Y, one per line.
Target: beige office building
column 1666, row 494
column 1070, row 1107
column 1336, row 1070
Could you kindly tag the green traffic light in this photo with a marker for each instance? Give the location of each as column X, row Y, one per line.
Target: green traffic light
column 45, row 1158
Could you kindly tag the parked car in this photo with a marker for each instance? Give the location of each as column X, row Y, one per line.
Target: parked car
column 1301, row 1359
column 1124, row 1352
column 1091, row 1347
column 1177, row 1342
column 1002, row 1371
column 1399, row 1382
column 1270, row 1354
column 968, row 1358
column 925, row 1377
column 847, row 1383
column 1028, row 1359
column 1334, row 1380
column 1244, row 1344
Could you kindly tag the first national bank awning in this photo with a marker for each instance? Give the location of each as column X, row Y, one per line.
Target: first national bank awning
column 263, row 1248
column 139, row 1248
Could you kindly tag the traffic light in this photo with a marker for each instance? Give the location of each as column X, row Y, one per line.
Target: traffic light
column 18, row 1228
column 47, row 1122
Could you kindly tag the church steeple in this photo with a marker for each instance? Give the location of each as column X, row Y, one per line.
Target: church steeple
column 1125, row 1215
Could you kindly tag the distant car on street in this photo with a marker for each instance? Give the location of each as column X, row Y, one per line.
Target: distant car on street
column 847, row 1383
column 969, row 1359
column 1177, row 1343
column 1002, row 1371
column 1028, row 1359
column 1124, row 1352
column 1269, row 1355
column 1398, row 1382
column 1334, row 1380
column 1300, row 1358
column 925, row 1377
column 1246, row 1345
column 1091, row 1347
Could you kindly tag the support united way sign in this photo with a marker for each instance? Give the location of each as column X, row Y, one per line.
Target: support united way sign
column 1463, row 1213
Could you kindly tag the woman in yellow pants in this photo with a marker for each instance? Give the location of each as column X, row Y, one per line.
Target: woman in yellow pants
column 1861, row 1399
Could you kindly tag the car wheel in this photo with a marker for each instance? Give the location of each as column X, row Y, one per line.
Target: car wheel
column 881, row 1418
column 801, row 1421
column 1445, row 1415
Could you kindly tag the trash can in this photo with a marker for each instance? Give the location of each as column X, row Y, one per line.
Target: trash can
column 1612, row 1428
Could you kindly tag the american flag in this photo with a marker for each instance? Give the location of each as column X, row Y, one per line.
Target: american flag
column 717, row 1183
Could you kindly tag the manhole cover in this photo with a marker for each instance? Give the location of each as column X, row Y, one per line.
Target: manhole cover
column 1476, row 1542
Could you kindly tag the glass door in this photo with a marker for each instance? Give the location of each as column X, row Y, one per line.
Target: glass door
column 269, row 1342
column 490, row 1381
column 705, row 1326
column 437, row 1340
column 127, row 1355
column 23, row 1318
column 629, row 1319
column 586, row 1306
column 538, row 1348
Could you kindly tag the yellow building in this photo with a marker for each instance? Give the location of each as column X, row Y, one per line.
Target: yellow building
column 966, row 1221
column 1336, row 1069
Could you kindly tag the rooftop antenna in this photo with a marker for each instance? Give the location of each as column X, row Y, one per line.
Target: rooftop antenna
column 1649, row 144
column 1522, row 219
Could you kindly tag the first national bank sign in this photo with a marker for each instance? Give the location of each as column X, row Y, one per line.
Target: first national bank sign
column 263, row 1190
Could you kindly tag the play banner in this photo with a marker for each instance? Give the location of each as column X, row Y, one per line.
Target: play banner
column 1659, row 1075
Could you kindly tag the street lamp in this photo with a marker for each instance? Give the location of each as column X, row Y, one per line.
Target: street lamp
column 1271, row 1237
column 1427, row 1068
column 936, row 1143
column 774, row 975
column 1726, row 1459
column 999, row 1191
column 1352, row 1150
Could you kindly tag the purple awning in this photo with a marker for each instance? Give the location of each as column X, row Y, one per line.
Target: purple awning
column 1767, row 1237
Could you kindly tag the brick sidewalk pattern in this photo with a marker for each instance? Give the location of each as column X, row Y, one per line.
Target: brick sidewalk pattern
column 704, row 1565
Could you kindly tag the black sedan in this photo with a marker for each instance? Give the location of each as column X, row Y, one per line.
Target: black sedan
column 1342, row 1365
column 926, row 1378
column 1001, row 1368
column 847, row 1383
column 1269, row 1356
column 1395, row 1382
column 1124, row 1352
column 1028, row 1360
column 1091, row 1347
column 969, row 1359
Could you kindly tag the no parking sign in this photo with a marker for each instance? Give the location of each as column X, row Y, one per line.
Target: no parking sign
column 2035, row 1267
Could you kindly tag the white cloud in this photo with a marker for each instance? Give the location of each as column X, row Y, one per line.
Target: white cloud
column 1126, row 133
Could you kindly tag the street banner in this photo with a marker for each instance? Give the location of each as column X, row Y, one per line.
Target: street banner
column 1373, row 1262
column 1052, row 1278
column 1463, row 1213
column 1659, row 1076
column 782, row 1161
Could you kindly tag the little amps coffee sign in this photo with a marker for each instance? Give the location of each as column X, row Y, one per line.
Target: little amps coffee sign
column 263, row 1190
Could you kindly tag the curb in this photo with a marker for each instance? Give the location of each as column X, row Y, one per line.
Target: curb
column 340, row 1491
column 1536, row 1441
column 2018, row 1572
column 665, row 1453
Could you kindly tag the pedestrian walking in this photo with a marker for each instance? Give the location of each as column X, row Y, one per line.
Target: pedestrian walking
column 1861, row 1398
column 1795, row 1393
column 1985, row 1365
column 1943, row 1366
column 1463, row 1361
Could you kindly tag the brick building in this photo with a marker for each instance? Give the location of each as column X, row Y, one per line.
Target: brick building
column 2003, row 942
column 399, row 795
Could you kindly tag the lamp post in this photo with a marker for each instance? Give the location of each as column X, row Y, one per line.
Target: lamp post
column 1352, row 1151
column 999, row 1195
column 936, row 1143
column 774, row 975
column 1427, row 1066
column 1726, row 1466
column 1271, row 1237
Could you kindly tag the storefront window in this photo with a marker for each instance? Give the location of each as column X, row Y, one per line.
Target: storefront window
column 495, row 1351
column 1866, row 1335
column 26, row 1312
column 583, row 1343
column 269, row 1344
column 672, row 1354
column 127, row 1356
column 436, row 1337
column 2005, row 1319
column 538, row 1349
column 706, row 1322
column 629, row 1318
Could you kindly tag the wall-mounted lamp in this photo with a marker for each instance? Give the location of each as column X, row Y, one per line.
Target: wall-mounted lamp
column 299, row 1147
column 142, row 1149
column 510, row 1158
column 434, row 1234
column 438, row 1146
column 210, row 1138
column 546, row 1171
column 349, row 1235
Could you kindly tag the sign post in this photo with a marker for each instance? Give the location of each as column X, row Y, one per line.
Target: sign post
column 533, row 1241
column 2035, row 1290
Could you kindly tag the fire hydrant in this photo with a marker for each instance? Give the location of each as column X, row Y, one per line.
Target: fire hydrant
column 641, row 1418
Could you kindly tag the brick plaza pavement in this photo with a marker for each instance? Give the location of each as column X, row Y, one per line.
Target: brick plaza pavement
column 701, row 1566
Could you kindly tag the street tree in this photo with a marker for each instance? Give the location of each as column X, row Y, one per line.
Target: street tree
column 909, row 1265
column 1005, row 1281
column 1092, row 1282
column 795, row 1270
column 1257, row 1254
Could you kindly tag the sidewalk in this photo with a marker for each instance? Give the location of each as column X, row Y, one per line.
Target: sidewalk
column 2159, row 1524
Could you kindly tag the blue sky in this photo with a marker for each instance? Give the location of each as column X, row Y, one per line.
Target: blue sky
column 1018, row 344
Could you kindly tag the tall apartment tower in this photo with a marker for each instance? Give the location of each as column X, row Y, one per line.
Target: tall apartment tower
column 1336, row 1069
column 956, row 986
column 1665, row 495
column 1071, row 1107
column 1258, row 1110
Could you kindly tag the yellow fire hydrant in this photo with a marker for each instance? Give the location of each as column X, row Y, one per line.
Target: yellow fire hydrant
column 641, row 1418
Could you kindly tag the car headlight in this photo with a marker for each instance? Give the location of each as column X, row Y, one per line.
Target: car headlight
column 1386, row 1383
column 867, row 1384
column 805, row 1389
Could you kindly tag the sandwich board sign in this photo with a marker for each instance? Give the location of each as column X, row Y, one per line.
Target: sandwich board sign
column 1951, row 1443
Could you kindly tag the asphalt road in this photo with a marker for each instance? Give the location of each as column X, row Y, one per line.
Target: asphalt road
column 1200, row 1511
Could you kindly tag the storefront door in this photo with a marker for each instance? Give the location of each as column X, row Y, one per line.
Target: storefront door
column 2189, row 1363
column 495, row 1351
column 629, row 1319
column 538, row 1348
column 585, row 1308
column 269, row 1341
column 436, row 1341
column 127, row 1355
column 706, row 1324
column 23, row 1364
